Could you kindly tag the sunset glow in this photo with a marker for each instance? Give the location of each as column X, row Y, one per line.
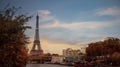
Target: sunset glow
column 69, row 23
column 51, row 47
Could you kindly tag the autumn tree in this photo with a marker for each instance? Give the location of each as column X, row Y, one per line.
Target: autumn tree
column 12, row 38
column 12, row 27
column 95, row 49
column 115, row 57
column 112, row 45
column 103, row 48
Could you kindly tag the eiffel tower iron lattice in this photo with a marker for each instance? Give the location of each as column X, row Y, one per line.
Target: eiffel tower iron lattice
column 36, row 42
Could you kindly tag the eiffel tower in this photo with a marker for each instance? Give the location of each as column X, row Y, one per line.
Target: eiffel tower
column 36, row 42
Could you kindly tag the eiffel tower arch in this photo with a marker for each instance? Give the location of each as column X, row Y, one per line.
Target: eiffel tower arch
column 36, row 48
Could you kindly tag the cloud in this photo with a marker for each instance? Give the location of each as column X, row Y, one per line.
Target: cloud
column 45, row 15
column 44, row 12
column 79, row 25
column 46, row 18
column 113, row 11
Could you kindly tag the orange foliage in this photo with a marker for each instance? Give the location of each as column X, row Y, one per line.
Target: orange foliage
column 107, row 47
column 13, row 56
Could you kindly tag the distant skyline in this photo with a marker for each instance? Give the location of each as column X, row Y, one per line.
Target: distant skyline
column 70, row 23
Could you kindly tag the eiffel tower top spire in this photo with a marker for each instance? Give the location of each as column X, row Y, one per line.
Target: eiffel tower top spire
column 36, row 42
column 37, row 28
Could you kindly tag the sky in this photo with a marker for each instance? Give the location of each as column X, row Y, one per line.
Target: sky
column 70, row 23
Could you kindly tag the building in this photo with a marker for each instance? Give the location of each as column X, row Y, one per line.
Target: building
column 72, row 56
column 70, row 52
column 58, row 59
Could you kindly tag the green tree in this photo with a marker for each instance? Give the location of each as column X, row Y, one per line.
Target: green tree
column 12, row 38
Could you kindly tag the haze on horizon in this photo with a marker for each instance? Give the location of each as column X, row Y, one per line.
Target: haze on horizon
column 70, row 23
